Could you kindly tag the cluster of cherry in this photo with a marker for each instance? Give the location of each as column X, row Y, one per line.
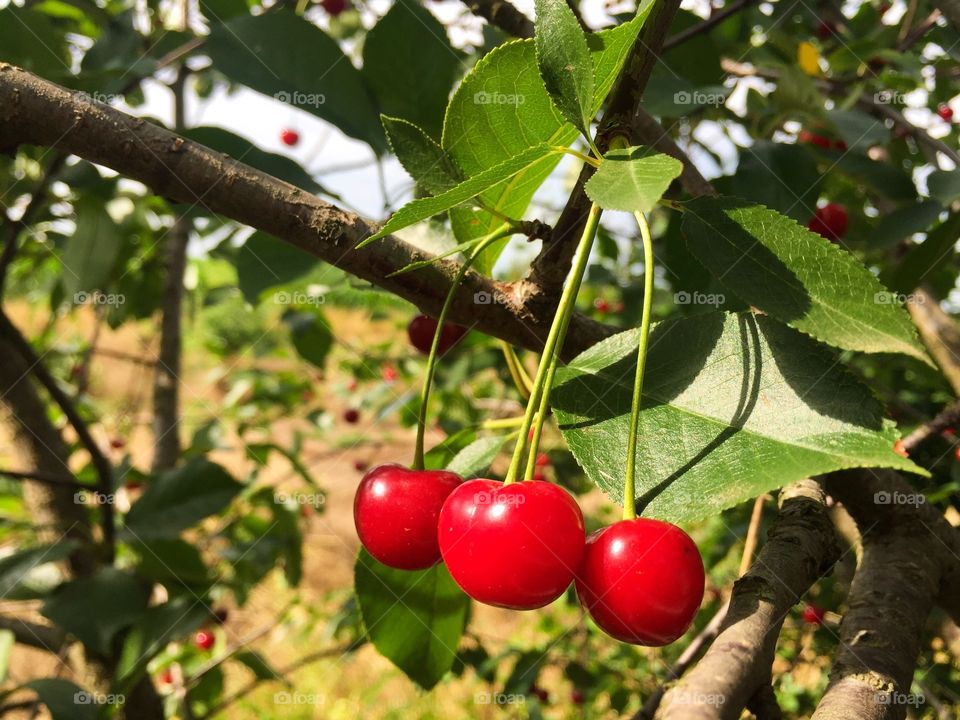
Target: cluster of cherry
column 520, row 545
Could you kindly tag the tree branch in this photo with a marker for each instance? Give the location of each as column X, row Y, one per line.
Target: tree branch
column 801, row 546
column 33, row 110
column 711, row 22
column 503, row 15
column 948, row 417
column 939, row 332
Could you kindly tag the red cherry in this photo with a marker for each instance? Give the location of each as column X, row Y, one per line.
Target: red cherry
column 577, row 697
column 813, row 615
column 203, row 639
column 830, row 221
column 956, row 453
column 352, row 385
column 117, row 443
column 824, row 29
column 514, row 546
column 396, row 511
column 289, row 137
column 899, row 449
column 360, row 465
column 422, row 328
column 166, row 677
column 389, row 373
column 641, row 580
column 220, row 615
column 539, row 477
column 133, row 485
column 839, row 145
column 602, row 306
column 351, row 415
column 543, row 460
column 945, row 112
column 334, row 7
column 950, row 432
column 884, row 7
column 542, row 695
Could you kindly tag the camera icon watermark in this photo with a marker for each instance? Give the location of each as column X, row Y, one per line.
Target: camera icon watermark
column 84, row 697
column 95, row 497
column 298, row 298
column 699, row 298
column 499, row 699
column 298, row 498
column 699, row 98
column 483, row 97
column 482, row 297
column 298, row 698
column 891, row 298
column 300, row 99
column 896, row 497
column 889, row 97
column 98, row 298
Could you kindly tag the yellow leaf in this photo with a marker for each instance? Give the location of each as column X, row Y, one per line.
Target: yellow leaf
column 808, row 58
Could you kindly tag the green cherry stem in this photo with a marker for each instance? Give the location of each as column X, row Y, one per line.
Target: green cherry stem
column 629, row 483
column 519, row 375
column 433, row 357
column 539, row 397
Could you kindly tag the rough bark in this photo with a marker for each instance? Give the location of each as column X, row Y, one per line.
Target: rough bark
column 801, row 547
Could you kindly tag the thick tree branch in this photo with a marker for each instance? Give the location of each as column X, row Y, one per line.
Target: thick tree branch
column 908, row 559
column 503, row 15
column 939, row 332
column 801, row 546
column 33, row 110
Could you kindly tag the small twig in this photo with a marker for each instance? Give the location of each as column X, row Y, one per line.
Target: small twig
column 702, row 27
column 922, row 28
column 939, row 333
column 42, row 477
column 946, row 418
column 753, row 535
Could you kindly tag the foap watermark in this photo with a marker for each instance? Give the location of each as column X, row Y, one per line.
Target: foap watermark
column 83, row 697
column 899, row 498
column 299, row 498
column 898, row 698
column 98, row 298
column 698, row 698
column 98, row 97
column 298, row 698
column 299, row 298
column 489, row 498
column 891, row 298
column 497, row 98
column 84, row 497
column 699, row 298
column 301, row 99
column 699, row 98
column 889, row 97
column 499, row 699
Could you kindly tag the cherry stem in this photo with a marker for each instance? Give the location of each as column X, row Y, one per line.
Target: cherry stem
column 517, row 372
column 433, row 357
column 577, row 154
column 629, row 483
column 540, row 396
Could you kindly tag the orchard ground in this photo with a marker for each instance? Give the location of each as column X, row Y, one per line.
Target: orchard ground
column 362, row 684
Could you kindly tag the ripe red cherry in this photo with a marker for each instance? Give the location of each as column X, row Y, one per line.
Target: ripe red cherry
column 577, row 697
column 289, row 137
column 396, row 511
column 542, row 695
column 602, row 306
column 203, row 639
column 543, row 460
column 641, row 580
column 813, row 615
column 351, row 415
column 334, row 7
column 840, row 145
column 422, row 328
column 830, row 221
column 514, row 546
column 824, row 29
column 945, row 112
column 809, row 138
column 389, row 373
column 956, row 453
column 360, row 465
column 118, row 443
column 166, row 677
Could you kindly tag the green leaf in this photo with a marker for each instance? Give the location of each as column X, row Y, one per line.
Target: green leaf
column 502, row 108
column 264, row 262
column 421, row 156
column 410, row 65
column 257, row 664
column 476, row 458
column 158, row 626
column 944, row 185
column 16, row 567
column 34, row 42
column 782, row 177
column 564, row 61
column 171, row 561
column 922, row 261
column 254, row 50
column 734, row 405
column 180, row 499
column 428, row 207
column 65, row 700
column 91, row 252
column 311, row 336
column 7, row 640
column 414, row 619
column 95, row 608
column 796, row 276
column 904, row 222
column 632, row 179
